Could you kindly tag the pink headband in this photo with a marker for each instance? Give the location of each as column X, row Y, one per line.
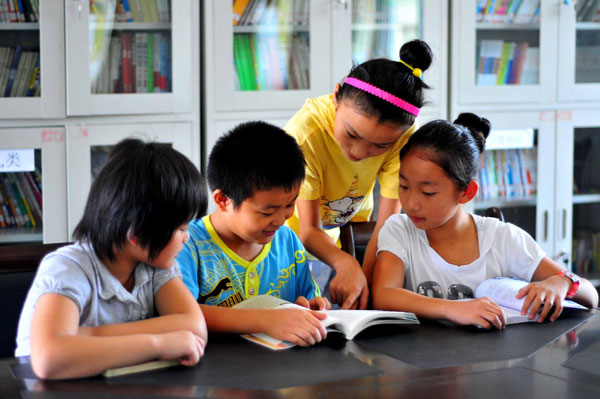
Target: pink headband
column 384, row 95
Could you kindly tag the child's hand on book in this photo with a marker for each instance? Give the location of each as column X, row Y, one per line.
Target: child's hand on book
column 349, row 287
column 544, row 295
column 317, row 303
column 482, row 312
column 184, row 346
column 295, row 325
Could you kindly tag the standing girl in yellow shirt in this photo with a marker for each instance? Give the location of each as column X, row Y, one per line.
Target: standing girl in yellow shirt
column 351, row 138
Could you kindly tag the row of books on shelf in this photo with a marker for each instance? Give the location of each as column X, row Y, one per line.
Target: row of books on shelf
column 271, row 62
column 587, row 11
column 20, row 199
column 132, row 63
column 271, row 12
column 508, row 174
column 383, row 11
column 586, row 251
column 131, row 10
column 500, row 62
column 19, row 11
column 508, row 11
column 379, row 43
column 19, row 72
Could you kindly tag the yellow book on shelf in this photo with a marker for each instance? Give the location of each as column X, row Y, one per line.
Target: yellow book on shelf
column 238, row 9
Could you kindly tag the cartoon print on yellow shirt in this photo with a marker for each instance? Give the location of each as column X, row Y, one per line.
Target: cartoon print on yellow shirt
column 336, row 213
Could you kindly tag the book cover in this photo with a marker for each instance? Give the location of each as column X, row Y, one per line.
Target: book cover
column 150, row 62
column 13, row 71
column 239, row 6
column 139, row 368
column 35, row 76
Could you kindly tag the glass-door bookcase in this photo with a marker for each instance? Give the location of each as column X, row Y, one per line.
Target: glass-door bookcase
column 126, row 57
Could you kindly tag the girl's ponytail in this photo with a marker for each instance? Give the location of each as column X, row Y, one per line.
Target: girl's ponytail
column 478, row 126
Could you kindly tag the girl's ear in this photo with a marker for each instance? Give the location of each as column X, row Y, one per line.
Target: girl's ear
column 220, row 199
column 469, row 193
column 336, row 91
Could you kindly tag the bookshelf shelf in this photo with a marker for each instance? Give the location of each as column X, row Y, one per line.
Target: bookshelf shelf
column 271, row 28
column 586, row 198
column 506, row 26
column 21, row 234
column 503, row 203
column 588, row 25
column 19, row 26
column 374, row 26
column 131, row 26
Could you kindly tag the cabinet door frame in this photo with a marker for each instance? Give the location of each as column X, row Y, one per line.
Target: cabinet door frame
column 463, row 63
column 51, row 103
column 80, row 100
column 435, row 33
column 51, row 142
column 566, row 123
column 219, row 18
column 568, row 90
column 544, row 123
column 80, row 139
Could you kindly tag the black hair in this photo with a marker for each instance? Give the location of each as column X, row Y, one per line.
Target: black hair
column 254, row 156
column 454, row 147
column 144, row 190
column 393, row 77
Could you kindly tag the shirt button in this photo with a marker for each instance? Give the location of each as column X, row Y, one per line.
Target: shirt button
column 251, row 291
column 251, row 275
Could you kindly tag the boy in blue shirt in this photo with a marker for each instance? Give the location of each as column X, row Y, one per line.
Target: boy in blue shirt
column 243, row 248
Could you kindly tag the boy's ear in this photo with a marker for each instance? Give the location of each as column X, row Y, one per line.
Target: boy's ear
column 469, row 193
column 221, row 200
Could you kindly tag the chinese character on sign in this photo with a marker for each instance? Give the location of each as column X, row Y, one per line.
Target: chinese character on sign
column 17, row 160
column 12, row 159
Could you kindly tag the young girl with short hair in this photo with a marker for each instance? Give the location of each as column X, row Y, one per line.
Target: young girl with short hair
column 92, row 304
column 437, row 251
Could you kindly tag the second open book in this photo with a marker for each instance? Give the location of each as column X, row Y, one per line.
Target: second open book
column 503, row 291
column 347, row 322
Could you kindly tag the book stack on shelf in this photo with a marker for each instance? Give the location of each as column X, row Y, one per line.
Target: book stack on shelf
column 508, row 174
column 12, row 11
column 132, row 62
column 504, row 62
column 586, row 251
column 20, row 199
column 124, row 59
column 271, row 12
column 508, row 11
column 380, row 27
column 133, row 10
column 587, row 11
column 275, row 58
column 19, row 72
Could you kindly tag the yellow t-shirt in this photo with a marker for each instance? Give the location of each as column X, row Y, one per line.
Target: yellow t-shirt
column 344, row 187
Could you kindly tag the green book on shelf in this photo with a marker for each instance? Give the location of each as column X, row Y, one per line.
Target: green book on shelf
column 248, row 64
column 238, row 62
column 150, row 63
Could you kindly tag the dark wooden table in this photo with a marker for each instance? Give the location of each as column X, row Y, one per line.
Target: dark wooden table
column 431, row 360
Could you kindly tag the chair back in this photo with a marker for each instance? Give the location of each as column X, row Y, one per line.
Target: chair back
column 18, row 265
column 355, row 236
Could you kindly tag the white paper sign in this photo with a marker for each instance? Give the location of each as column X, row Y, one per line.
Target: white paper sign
column 17, row 160
column 504, row 139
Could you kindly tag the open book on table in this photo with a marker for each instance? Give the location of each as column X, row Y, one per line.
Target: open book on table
column 347, row 322
column 503, row 291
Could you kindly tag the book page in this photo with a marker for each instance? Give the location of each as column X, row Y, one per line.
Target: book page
column 357, row 320
column 138, row 368
column 503, row 290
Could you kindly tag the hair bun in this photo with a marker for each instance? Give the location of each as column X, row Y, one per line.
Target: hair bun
column 417, row 54
column 478, row 126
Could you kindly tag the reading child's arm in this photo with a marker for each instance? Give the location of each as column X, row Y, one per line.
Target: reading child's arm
column 389, row 294
column 349, row 287
column 298, row 326
column 549, row 289
column 387, row 207
column 57, row 351
column 177, row 308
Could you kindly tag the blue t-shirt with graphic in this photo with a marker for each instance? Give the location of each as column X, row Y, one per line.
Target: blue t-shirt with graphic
column 218, row 276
